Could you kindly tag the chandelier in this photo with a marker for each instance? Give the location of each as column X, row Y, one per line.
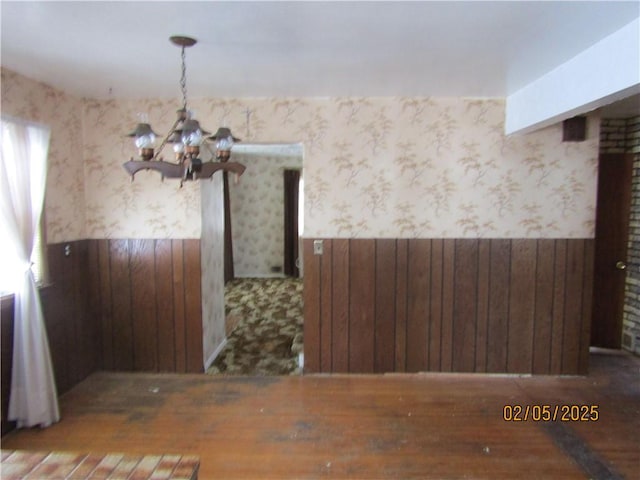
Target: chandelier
column 187, row 137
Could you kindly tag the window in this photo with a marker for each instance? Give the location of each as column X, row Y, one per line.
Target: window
column 22, row 181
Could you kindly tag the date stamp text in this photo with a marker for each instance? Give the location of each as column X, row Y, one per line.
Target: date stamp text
column 550, row 413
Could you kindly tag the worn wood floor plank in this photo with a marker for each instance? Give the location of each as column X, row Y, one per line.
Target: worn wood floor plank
column 355, row 426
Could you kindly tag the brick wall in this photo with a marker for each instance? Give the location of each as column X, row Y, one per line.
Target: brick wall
column 613, row 134
column 623, row 136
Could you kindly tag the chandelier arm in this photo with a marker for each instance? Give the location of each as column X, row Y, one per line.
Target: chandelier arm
column 166, row 139
column 166, row 169
column 209, row 168
column 175, row 170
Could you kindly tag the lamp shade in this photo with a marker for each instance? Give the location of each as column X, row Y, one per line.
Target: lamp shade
column 224, row 132
column 144, row 136
column 192, row 134
column 224, row 139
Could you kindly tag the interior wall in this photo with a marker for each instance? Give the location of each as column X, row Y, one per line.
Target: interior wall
column 72, row 325
column 367, row 161
column 631, row 318
column 443, row 168
column 374, row 167
column 148, row 301
column 377, row 168
column 212, row 247
column 115, row 206
column 448, row 305
column 72, row 321
column 159, row 336
column 65, row 197
column 257, row 214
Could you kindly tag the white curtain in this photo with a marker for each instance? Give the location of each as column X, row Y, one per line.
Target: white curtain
column 33, row 399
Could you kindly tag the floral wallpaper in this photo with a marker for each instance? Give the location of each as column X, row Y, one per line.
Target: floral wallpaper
column 374, row 167
column 146, row 207
column 257, row 214
column 65, row 199
column 427, row 167
column 212, row 266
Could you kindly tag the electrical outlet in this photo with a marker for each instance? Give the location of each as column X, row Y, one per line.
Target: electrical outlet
column 317, row 247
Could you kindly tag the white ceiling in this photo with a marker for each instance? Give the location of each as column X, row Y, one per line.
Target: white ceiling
column 121, row 49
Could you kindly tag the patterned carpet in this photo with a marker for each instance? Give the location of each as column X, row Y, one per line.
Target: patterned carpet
column 268, row 334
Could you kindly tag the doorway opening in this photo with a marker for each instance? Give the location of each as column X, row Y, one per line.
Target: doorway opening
column 263, row 300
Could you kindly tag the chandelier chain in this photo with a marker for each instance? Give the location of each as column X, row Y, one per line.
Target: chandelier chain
column 183, row 80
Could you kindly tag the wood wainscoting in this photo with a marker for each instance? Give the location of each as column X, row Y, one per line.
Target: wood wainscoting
column 127, row 305
column 450, row 305
column 148, row 297
column 73, row 328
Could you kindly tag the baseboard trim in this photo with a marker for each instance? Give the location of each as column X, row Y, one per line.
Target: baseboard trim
column 261, row 275
column 215, row 354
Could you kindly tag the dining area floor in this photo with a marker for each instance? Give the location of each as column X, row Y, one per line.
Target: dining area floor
column 427, row 426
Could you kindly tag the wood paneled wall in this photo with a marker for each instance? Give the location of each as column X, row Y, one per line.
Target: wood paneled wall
column 116, row 305
column 149, row 302
column 461, row 305
column 6, row 336
column 73, row 328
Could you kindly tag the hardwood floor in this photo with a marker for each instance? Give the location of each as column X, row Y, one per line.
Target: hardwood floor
column 360, row 426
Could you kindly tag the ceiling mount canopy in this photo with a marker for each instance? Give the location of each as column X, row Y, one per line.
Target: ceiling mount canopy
column 187, row 136
column 183, row 41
